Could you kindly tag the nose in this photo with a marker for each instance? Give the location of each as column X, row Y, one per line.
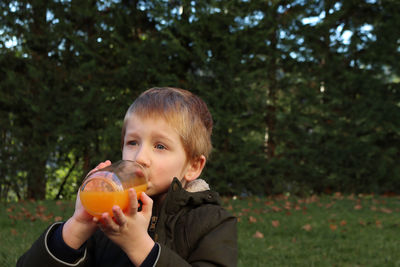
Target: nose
column 142, row 156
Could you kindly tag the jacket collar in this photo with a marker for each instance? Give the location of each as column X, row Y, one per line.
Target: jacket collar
column 197, row 185
column 199, row 194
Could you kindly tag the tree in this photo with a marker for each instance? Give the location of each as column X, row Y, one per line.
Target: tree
column 304, row 94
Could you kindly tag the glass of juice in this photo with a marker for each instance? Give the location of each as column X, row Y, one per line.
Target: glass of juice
column 104, row 188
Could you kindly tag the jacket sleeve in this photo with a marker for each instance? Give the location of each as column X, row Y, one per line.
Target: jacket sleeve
column 217, row 247
column 40, row 255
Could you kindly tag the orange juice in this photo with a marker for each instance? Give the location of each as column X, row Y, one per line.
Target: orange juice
column 98, row 202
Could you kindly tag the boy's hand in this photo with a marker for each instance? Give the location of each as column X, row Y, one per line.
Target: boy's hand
column 81, row 225
column 129, row 230
column 80, row 213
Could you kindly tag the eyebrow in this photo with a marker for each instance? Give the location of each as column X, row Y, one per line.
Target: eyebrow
column 154, row 136
column 163, row 136
column 130, row 134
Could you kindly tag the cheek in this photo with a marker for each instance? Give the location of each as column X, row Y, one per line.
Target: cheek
column 168, row 170
column 127, row 154
column 124, row 154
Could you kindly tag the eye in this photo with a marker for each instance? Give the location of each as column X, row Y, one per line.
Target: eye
column 132, row 143
column 160, row 146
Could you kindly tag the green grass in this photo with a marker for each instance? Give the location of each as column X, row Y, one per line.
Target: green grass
column 22, row 223
column 281, row 231
column 326, row 231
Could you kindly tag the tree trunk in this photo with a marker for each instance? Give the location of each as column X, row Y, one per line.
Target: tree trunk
column 37, row 181
column 37, row 140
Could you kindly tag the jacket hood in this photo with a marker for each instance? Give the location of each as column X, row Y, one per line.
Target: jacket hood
column 194, row 194
column 197, row 185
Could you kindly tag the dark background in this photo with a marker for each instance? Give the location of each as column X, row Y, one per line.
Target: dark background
column 305, row 95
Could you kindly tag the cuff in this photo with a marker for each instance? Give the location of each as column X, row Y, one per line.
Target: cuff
column 59, row 250
column 153, row 256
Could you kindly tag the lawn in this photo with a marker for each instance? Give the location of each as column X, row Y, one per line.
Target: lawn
column 331, row 230
column 318, row 231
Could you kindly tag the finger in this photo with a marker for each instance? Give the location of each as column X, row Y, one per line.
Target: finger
column 133, row 203
column 106, row 219
column 107, row 224
column 119, row 216
column 147, row 206
column 103, row 164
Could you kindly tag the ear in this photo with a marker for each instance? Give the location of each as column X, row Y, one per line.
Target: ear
column 194, row 169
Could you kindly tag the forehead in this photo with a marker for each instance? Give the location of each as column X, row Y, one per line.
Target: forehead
column 171, row 117
column 150, row 125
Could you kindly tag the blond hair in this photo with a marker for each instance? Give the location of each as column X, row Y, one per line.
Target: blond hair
column 185, row 112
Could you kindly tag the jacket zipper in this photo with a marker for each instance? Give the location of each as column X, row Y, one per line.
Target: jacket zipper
column 152, row 228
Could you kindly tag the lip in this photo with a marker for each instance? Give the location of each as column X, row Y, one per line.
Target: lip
column 139, row 173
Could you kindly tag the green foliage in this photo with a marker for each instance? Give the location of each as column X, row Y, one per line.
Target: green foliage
column 297, row 105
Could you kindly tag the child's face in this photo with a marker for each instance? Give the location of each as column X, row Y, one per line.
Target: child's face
column 153, row 143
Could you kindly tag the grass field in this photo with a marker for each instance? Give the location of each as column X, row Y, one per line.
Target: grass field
column 281, row 231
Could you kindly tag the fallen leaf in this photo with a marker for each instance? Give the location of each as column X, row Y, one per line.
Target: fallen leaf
column 258, row 234
column 378, row 224
column 276, row 209
column 307, row 227
column 329, row 205
column 281, row 197
column 252, row 219
column 333, row 227
column 257, row 211
column 338, row 195
column 275, row 223
column 357, row 207
column 41, row 209
column 14, row 232
column 386, row 210
column 343, row 223
column 57, row 218
column 288, row 205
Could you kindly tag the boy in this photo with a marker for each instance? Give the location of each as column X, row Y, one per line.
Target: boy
column 180, row 223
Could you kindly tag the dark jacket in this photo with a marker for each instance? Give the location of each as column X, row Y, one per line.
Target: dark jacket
column 191, row 228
